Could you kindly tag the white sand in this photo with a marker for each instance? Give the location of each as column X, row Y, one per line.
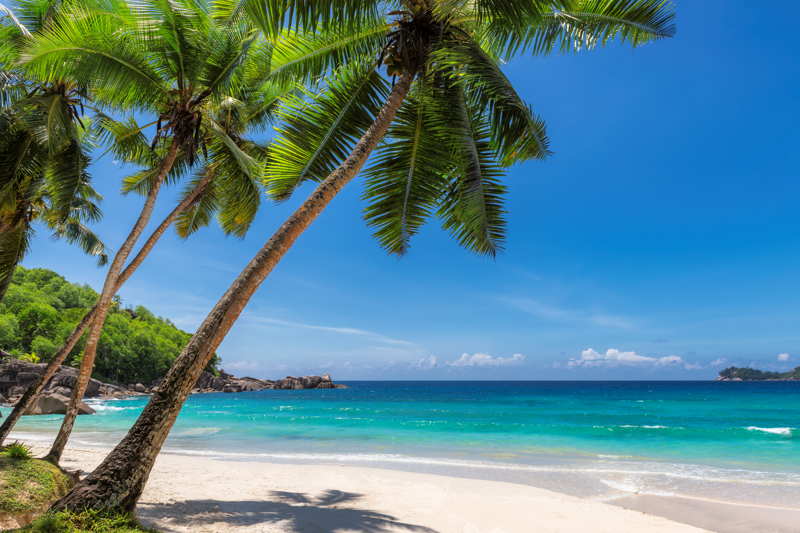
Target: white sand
column 201, row 494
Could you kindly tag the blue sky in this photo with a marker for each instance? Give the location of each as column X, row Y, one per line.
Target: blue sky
column 661, row 241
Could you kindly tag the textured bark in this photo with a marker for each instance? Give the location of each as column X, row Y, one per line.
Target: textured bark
column 104, row 304
column 38, row 386
column 118, row 481
column 52, row 367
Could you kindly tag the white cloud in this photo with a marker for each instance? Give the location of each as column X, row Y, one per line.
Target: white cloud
column 426, row 363
column 718, row 362
column 613, row 357
column 783, row 357
column 484, row 359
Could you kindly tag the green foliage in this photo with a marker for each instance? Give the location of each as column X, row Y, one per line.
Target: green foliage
column 84, row 522
column 28, row 485
column 9, row 330
column 463, row 123
column 752, row 374
column 42, row 308
column 30, row 357
column 18, row 450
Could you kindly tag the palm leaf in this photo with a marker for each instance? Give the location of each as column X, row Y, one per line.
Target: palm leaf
column 517, row 133
column 272, row 16
column 472, row 208
column 585, row 24
column 317, row 134
column 200, row 213
column 409, row 172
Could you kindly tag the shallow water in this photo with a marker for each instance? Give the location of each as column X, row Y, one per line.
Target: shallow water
column 729, row 441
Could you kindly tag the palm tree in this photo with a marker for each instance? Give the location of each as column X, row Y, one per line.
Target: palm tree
column 454, row 123
column 44, row 144
column 32, row 189
column 176, row 61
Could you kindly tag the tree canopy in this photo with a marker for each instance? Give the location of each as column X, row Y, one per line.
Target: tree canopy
column 41, row 308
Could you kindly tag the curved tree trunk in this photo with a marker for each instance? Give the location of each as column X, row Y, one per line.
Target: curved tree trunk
column 103, row 305
column 119, row 480
column 52, row 367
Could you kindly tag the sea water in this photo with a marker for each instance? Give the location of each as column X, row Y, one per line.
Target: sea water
column 730, row 441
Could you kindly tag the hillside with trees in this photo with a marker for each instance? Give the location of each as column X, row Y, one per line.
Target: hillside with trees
column 751, row 374
column 41, row 308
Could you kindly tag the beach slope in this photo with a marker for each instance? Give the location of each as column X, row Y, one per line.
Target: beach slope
column 199, row 494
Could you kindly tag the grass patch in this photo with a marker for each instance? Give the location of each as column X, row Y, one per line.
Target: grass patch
column 28, row 485
column 85, row 522
column 17, row 450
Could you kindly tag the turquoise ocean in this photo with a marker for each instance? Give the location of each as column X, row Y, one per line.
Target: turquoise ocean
column 728, row 441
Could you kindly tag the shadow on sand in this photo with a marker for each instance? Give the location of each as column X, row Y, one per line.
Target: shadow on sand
column 294, row 511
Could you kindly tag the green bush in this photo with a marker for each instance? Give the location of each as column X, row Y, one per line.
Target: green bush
column 17, row 450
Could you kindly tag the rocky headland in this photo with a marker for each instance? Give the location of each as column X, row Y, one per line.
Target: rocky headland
column 16, row 376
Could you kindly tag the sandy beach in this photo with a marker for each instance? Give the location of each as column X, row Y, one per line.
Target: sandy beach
column 200, row 494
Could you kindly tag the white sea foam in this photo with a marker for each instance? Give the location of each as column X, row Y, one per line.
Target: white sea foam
column 645, row 427
column 669, row 470
column 198, row 432
column 786, row 432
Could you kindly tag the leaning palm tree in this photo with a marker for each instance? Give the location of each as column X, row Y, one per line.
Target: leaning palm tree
column 44, row 145
column 32, row 189
column 454, row 123
column 172, row 59
column 225, row 185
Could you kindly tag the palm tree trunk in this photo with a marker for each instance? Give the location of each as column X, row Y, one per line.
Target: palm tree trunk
column 52, row 367
column 119, row 480
column 103, row 305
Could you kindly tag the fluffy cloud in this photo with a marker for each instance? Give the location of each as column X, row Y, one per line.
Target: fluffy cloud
column 783, row 357
column 484, row 359
column 426, row 363
column 718, row 362
column 614, row 357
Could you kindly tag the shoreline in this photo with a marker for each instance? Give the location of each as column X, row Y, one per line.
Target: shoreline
column 230, row 473
column 202, row 494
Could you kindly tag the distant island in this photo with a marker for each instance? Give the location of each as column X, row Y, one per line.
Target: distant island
column 751, row 374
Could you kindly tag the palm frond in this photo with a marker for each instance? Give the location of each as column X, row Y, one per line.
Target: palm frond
column 586, row 24
column 317, row 133
column 14, row 244
column 472, row 208
column 410, row 171
column 308, row 55
column 7, row 12
column 238, row 193
column 272, row 16
column 67, row 175
column 92, row 47
column 74, row 232
column 517, row 133
column 200, row 213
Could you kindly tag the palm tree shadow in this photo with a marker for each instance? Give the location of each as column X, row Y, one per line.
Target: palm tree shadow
column 295, row 511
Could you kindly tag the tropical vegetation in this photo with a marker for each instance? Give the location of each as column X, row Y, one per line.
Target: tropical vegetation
column 451, row 120
column 753, row 374
column 222, row 94
column 411, row 90
column 42, row 308
column 27, row 485
column 44, row 152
